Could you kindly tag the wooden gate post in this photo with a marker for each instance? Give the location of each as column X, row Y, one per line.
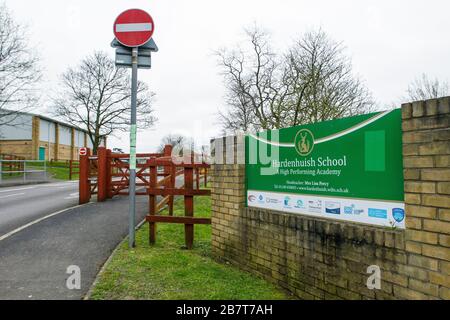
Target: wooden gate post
column 152, row 201
column 84, row 184
column 71, row 169
column 109, row 192
column 189, row 205
column 170, row 170
column 197, row 178
column 101, row 179
column 173, row 177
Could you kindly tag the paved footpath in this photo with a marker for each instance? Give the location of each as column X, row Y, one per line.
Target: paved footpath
column 34, row 261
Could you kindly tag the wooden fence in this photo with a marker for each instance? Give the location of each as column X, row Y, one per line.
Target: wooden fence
column 160, row 176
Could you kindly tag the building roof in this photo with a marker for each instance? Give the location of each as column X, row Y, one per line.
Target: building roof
column 46, row 119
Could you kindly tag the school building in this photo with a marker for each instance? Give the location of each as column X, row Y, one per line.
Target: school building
column 36, row 137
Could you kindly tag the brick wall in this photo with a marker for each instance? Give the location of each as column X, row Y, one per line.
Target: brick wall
column 36, row 129
column 63, row 151
column 426, row 151
column 327, row 259
column 20, row 148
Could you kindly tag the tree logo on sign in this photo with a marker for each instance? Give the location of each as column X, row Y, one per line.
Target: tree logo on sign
column 304, row 142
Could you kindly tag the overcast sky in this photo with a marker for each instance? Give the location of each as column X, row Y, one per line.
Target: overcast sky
column 390, row 41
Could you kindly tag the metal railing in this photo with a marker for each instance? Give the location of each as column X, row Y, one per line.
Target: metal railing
column 22, row 170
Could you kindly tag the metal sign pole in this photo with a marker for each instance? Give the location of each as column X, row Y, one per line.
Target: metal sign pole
column 133, row 131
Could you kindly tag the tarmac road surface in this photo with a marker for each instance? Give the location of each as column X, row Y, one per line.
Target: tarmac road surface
column 34, row 261
column 24, row 204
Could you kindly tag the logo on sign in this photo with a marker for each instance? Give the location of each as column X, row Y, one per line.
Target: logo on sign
column 272, row 201
column 398, row 214
column 287, row 201
column 353, row 210
column 333, row 207
column 252, row 198
column 261, row 198
column 315, row 206
column 304, row 142
column 378, row 213
column 300, row 204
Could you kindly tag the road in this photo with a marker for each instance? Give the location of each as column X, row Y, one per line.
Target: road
column 22, row 205
column 34, row 259
column 34, row 262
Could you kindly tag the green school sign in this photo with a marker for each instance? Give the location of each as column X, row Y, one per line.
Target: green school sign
column 348, row 169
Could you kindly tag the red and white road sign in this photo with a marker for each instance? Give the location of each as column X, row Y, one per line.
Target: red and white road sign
column 83, row 151
column 134, row 28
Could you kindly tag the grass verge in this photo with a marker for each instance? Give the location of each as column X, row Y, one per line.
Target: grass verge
column 60, row 173
column 168, row 272
column 55, row 170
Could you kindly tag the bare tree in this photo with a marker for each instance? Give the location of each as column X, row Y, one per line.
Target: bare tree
column 19, row 70
column 183, row 146
column 322, row 80
column 205, row 153
column 249, row 76
column 312, row 82
column 96, row 95
column 424, row 88
column 173, row 140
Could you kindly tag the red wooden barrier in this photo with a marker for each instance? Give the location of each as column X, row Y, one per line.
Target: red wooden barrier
column 170, row 173
column 189, row 206
column 84, row 184
column 108, row 183
column 187, row 191
column 102, row 174
column 107, row 175
column 74, row 168
column 152, row 202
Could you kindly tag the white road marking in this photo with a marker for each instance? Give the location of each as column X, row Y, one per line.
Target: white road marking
column 12, row 195
column 134, row 27
column 37, row 221
column 58, row 185
column 64, row 184
column 12, row 190
column 72, row 196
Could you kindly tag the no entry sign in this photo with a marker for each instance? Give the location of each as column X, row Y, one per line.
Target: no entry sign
column 134, row 28
column 83, row 151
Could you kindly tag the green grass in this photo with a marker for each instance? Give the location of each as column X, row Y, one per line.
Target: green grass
column 168, row 272
column 56, row 170
column 60, row 173
column 10, row 176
